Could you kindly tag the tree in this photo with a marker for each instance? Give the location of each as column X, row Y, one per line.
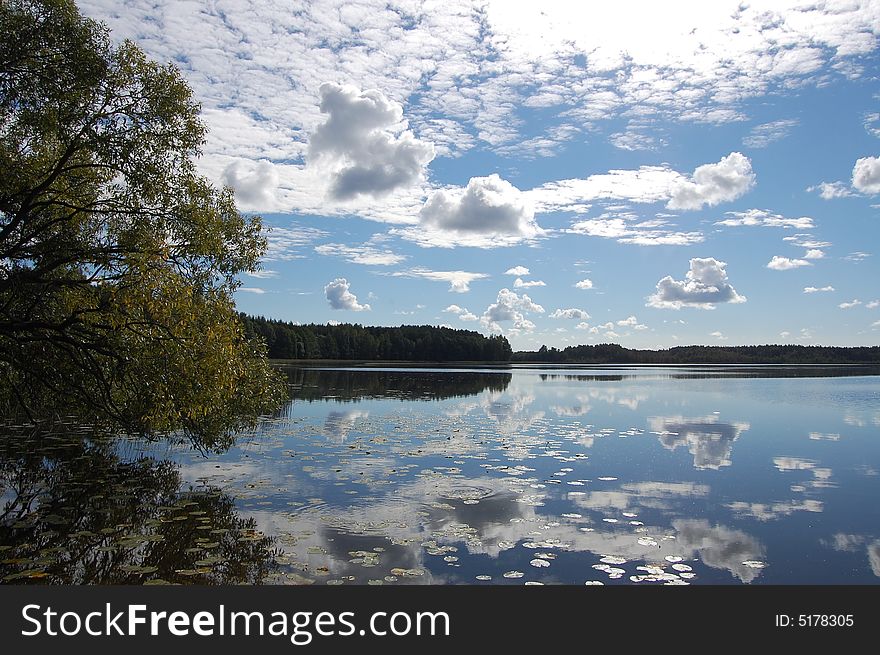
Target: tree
column 117, row 260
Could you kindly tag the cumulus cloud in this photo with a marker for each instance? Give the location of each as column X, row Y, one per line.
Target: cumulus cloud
column 487, row 213
column 340, row 297
column 818, row 289
column 584, row 284
column 519, row 283
column 459, row 281
column 365, row 144
column 510, row 307
column 254, row 183
column 785, row 263
column 517, row 270
column 572, row 313
column 866, row 175
column 462, row 313
column 712, row 184
column 704, row 286
column 849, row 305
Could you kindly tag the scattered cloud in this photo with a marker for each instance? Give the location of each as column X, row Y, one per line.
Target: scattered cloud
column 818, row 289
column 763, row 135
column 849, row 305
column 857, row 256
column 718, row 335
column 627, row 229
column 510, row 307
column 520, row 284
column 284, row 243
column 488, row 213
column 584, row 284
column 255, row 290
column 366, row 254
column 866, row 175
column 765, row 218
column 704, row 286
column 462, row 313
column 338, row 295
column 364, row 145
column 254, row 183
column 831, row 190
column 873, row 304
column 517, row 270
column 814, row 253
column 459, row 281
column 264, row 274
column 785, row 263
column 712, row 184
column 571, row 313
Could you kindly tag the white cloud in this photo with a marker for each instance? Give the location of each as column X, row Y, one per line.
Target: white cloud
column 849, row 305
column 263, row 274
column 752, row 217
column 488, row 213
column 459, row 281
column 763, row 135
column 814, row 253
column 256, row 290
column 284, row 243
column 818, row 289
column 363, row 144
column 254, row 183
column 622, row 226
column 873, row 304
column 517, row 270
column 366, row 255
column 571, row 313
column 338, row 295
column 520, row 284
column 718, row 335
column 584, row 284
column 462, row 313
column 712, row 184
column 510, row 307
column 704, row 286
column 806, row 241
column 628, row 322
column 785, row 263
column 866, row 175
column 831, row 190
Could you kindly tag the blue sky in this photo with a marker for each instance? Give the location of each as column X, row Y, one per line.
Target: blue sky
column 651, row 174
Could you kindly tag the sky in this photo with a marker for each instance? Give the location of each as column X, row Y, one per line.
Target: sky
column 643, row 173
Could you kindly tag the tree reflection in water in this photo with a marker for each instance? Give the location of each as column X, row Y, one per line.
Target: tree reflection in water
column 75, row 508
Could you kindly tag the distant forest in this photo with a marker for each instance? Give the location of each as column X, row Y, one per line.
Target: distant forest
column 428, row 343
column 610, row 353
column 351, row 341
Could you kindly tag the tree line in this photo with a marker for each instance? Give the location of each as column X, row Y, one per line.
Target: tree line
column 611, row 353
column 285, row 340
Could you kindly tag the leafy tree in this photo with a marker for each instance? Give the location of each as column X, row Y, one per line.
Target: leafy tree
column 117, row 260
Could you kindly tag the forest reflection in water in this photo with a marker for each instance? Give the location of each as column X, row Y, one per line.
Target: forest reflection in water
column 416, row 475
column 76, row 510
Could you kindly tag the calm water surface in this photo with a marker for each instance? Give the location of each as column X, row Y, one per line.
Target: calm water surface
column 612, row 475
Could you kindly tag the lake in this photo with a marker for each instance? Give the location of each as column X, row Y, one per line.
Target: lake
column 488, row 476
